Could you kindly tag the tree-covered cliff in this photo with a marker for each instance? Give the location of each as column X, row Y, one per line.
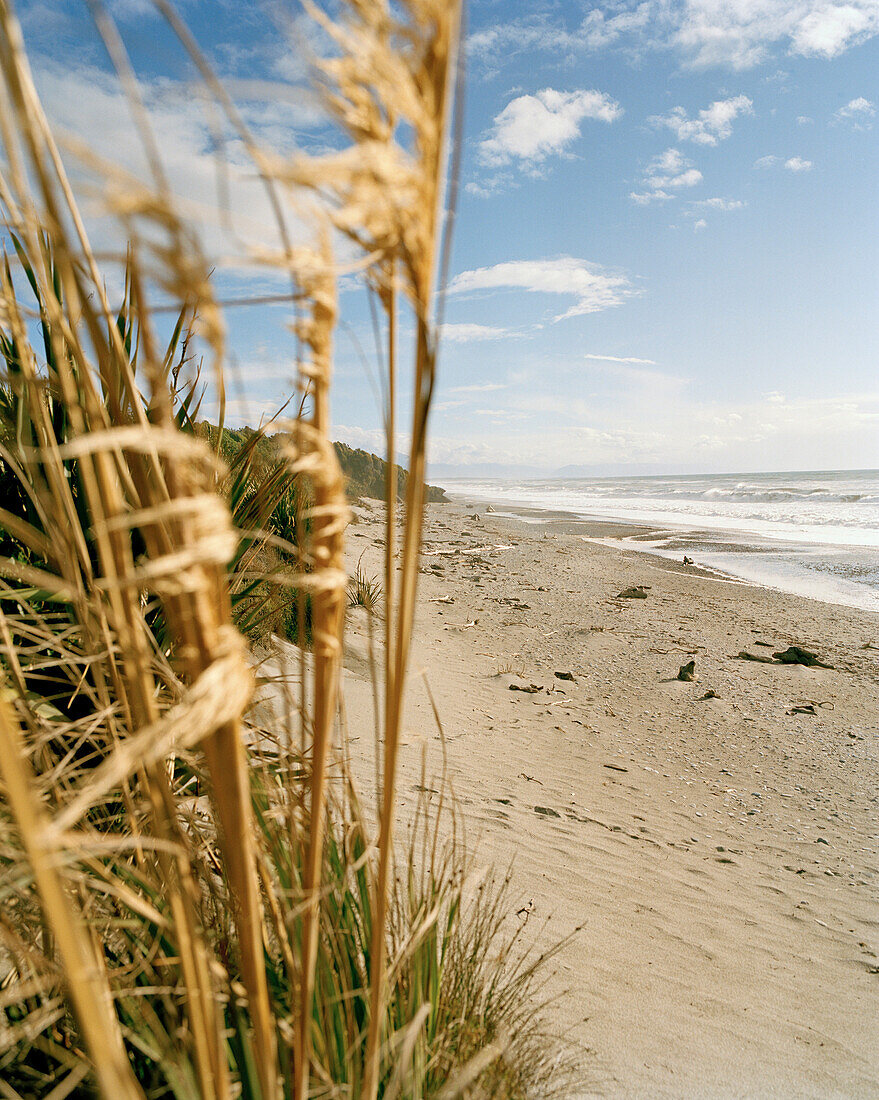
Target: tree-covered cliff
column 365, row 473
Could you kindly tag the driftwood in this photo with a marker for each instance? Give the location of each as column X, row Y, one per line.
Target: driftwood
column 794, row 655
column 743, row 655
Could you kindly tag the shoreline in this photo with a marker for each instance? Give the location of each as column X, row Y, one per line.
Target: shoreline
column 691, row 539
column 719, row 853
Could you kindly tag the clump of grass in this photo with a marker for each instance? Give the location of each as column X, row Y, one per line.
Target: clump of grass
column 365, row 591
column 193, row 906
column 509, row 668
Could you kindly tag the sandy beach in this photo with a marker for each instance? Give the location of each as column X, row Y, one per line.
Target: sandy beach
column 719, row 853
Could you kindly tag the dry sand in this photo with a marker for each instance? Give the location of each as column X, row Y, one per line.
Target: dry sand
column 721, row 853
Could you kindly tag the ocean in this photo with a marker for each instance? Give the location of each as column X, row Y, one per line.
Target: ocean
column 813, row 533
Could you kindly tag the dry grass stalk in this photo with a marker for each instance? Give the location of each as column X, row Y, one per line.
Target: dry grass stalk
column 438, row 69
column 387, row 290
column 388, row 200
column 84, row 969
column 329, row 515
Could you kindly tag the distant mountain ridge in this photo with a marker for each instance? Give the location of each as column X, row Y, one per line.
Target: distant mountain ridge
column 599, row 470
column 612, row 469
column 484, row 469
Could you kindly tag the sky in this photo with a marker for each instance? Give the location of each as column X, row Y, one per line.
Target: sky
column 666, row 251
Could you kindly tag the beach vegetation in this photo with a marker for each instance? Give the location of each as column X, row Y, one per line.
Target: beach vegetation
column 195, row 904
column 509, row 667
column 364, row 591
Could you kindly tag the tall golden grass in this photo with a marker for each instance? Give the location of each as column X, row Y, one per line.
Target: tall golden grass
column 189, row 907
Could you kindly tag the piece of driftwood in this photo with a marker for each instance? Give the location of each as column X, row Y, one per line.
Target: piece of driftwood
column 795, row 655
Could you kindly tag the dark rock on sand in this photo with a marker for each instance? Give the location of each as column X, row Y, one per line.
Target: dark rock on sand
column 565, row 676
column 636, row 592
column 546, row 811
column 687, row 672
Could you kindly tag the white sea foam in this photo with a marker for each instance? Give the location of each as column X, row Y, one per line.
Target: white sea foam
column 833, row 509
column 811, row 533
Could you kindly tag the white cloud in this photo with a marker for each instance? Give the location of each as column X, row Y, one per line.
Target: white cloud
column 719, row 204
column 618, row 359
column 240, row 411
column 711, row 125
column 592, row 288
column 479, row 387
column 86, row 103
column 828, row 29
column 671, row 169
column 252, row 371
column 793, row 164
column 804, row 120
column 699, row 225
column 624, row 374
column 532, row 127
column 369, row 439
column 659, row 422
column 857, row 113
column 859, row 106
column 741, row 33
column 486, row 187
column 596, row 31
column 501, row 415
column 643, row 198
column 464, row 333
column 733, row 33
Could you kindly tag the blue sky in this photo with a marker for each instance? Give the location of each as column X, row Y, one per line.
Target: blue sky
column 667, row 244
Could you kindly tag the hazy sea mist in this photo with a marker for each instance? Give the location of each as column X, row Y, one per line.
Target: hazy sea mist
column 815, row 533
